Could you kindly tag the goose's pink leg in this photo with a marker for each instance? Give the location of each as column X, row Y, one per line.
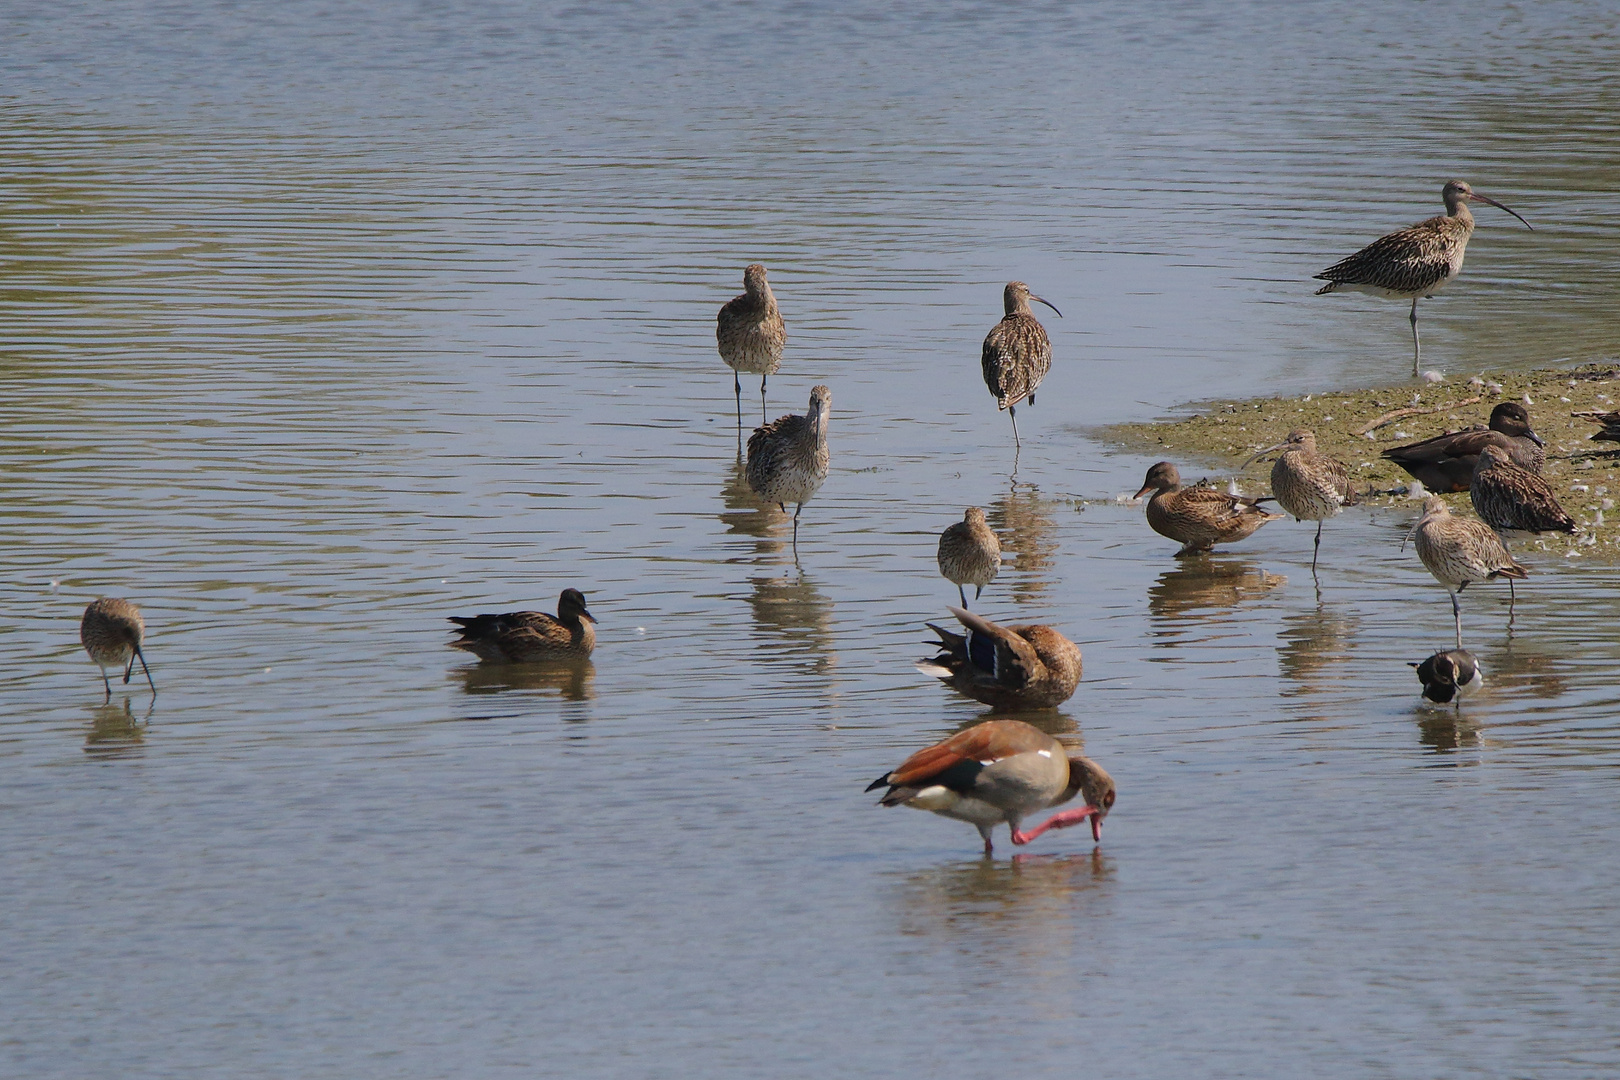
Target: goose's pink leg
column 1063, row 820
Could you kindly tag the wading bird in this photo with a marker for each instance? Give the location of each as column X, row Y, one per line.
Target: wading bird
column 788, row 458
column 111, row 632
column 969, row 554
column 751, row 335
column 1198, row 517
column 1017, row 353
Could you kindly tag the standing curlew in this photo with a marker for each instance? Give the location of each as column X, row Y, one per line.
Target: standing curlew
column 1460, row 552
column 1001, row 771
column 1413, row 263
column 751, row 334
column 1508, row 496
column 1446, row 462
column 1308, row 484
column 1450, row 676
column 111, row 632
column 969, row 554
column 523, row 637
column 1199, row 517
column 1005, row 667
column 788, row 458
column 1017, row 353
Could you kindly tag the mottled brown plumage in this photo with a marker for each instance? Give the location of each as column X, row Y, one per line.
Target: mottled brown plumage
column 788, row 458
column 1307, row 483
column 1017, row 353
column 1460, row 552
column 524, row 637
column 969, row 553
column 751, row 334
column 111, row 632
column 1198, row 517
column 1446, row 462
column 1001, row 771
column 1610, row 421
column 1509, row 496
column 1416, row 262
column 1008, row 667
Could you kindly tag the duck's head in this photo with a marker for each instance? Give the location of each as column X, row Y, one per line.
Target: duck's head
column 571, row 606
column 1510, row 418
column 1162, row 477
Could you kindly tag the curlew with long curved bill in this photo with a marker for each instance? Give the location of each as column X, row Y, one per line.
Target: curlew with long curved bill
column 526, row 637
column 1416, row 262
column 1307, row 483
column 1460, row 552
column 969, row 554
column 788, row 458
column 1001, row 771
column 1510, row 497
column 751, row 334
column 1017, row 353
column 111, row 632
column 1199, row 517
column 1446, row 462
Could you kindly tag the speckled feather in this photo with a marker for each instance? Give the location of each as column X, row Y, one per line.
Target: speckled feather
column 970, row 551
column 1309, row 484
column 1017, row 353
column 1198, row 517
column 1509, row 496
column 1461, row 551
column 520, row 637
column 1411, row 262
column 750, row 331
column 111, row 631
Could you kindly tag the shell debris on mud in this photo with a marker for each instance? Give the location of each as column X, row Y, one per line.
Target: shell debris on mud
column 1356, row 426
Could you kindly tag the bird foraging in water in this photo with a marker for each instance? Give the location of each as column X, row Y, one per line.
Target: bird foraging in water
column 788, row 458
column 1001, row 771
column 969, row 554
column 1460, row 552
column 1450, row 676
column 111, row 632
column 1007, row 667
column 1413, row 263
column 1198, row 517
column 1308, row 484
column 751, row 334
column 1446, row 462
column 1017, row 353
column 524, row 637
column 1508, row 496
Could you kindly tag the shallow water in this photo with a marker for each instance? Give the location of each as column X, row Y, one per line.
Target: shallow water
column 321, row 325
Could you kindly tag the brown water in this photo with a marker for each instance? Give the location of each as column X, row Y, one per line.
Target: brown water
column 321, row 324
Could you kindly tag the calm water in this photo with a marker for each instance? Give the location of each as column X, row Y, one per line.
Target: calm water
column 320, row 323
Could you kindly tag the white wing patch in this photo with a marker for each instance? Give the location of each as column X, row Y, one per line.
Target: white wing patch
column 1044, row 753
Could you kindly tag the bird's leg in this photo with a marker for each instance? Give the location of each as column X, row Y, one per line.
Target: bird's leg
column 1061, row 820
column 797, row 509
column 145, row 669
column 736, row 382
column 962, row 594
column 1012, row 411
column 1317, row 550
column 104, row 680
column 762, row 379
column 129, row 669
column 1456, row 617
column 978, row 591
column 989, row 848
column 1417, row 350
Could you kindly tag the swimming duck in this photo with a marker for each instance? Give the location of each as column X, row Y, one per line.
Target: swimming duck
column 1450, row 676
column 1008, row 667
column 522, row 637
column 1199, row 517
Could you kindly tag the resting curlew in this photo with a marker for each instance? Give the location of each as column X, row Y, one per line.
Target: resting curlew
column 788, row 458
column 1017, row 353
column 1508, row 496
column 751, row 334
column 522, row 637
column 1460, row 552
column 1199, row 517
column 1446, row 462
column 1308, row 484
column 111, row 632
column 1413, row 263
column 969, row 553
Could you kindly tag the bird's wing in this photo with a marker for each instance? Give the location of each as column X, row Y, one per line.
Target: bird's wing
column 1015, row 660
column 983, row 744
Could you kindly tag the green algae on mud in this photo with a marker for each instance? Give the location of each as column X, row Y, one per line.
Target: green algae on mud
column 1585, row 474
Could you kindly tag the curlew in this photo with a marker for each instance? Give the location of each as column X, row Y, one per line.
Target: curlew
column 1308, row 484
column 1017, row 353
column 1446, row 462
column 751, row 334
column 1198, row 517
column 1414, row 263
column 1001, row 771
column 1006, row 667
column 524, row 637
column 1609, row 421
column 111, row 632
column 969, row 554
column 1460, row 552
column 1450, row 676
column 788, row 458
column 1510, row 497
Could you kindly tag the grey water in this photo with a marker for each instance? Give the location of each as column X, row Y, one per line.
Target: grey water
column 320, row 323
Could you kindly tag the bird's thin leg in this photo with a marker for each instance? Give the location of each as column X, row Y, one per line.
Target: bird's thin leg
column 736, row 382
column 129, row 669
column 978, row 591
column 1512, row 596
column 797, row 509
column 145, row 669
column 104, row 680
column 962, row 594
column 1012, row 411
column 1317, row 550
column 1456, row 617
column 1417, row 349
column 762, row 379
column 989, row 848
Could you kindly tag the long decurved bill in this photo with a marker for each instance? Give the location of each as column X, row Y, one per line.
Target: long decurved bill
column 1053, row 306
column 1474, row 195
column 1263, row 453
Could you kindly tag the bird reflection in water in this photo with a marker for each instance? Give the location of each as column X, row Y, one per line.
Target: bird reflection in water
column 115, row 731
column 1444, row 728
column 572, row 679
column 1203, row 591
column 747, row 514
column 794, row 618
column 1313, row 649
column 1023, row 520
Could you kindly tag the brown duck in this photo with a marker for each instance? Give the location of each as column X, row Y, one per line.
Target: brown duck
column 1446, row 462
column 1199, row 517
column 1007, row 667
column 524, row 637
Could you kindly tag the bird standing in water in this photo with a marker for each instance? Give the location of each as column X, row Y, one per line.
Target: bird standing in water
column 1308, row 484
column 1017, row 353
column 1416, row 262
column 1460, row 552
column 969, row 553
column 751, row 335
column 111, row 632
column 788, row 458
